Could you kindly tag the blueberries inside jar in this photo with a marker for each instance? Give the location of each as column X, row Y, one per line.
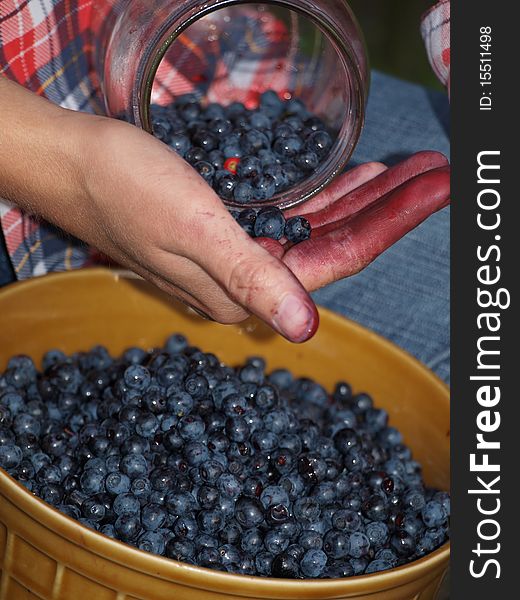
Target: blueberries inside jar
column 248, row 156
column 240, row 470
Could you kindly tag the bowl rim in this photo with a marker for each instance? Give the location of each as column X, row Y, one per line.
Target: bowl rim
column 200, row 577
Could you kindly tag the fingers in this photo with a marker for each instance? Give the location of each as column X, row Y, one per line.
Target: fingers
column 348, row 249
column 260, row 282
column 375, row 188
column 272, row 246
column 341, row 186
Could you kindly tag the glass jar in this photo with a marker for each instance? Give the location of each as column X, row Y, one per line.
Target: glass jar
column 231, row 50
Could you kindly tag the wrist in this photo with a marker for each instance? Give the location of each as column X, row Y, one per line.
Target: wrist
column 39, row 152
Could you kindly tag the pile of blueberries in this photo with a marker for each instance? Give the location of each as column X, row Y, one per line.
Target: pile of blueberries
column 229, row 468
column 245, row 155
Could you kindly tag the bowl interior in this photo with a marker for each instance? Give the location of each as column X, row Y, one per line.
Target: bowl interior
column 75, row 311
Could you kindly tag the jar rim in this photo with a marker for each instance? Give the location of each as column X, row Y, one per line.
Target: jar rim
column 348, row 135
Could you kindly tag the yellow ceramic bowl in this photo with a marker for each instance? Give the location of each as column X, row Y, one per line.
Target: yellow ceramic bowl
column 44, row 554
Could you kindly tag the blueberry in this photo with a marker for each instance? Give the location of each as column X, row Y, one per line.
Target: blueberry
column 216, row 159
column 444, row 499
column 214, row 111
column 196, row 385
column 414, row 500
column 25, row 423
column 211, row 521
column 205, row 140
column 286, row 566
column 270, row 223
column 248, row 512
column 336, row 544
column 181, row 144
column 141, row 488
column 226, row 186
column 195, row 155
column 287, row 147
column 92, row 481
column 191, row 427
column 137, row 377
column 275, row 541
column 402, row 543
column 346, row 520
column 151, row 541
column 434, row 514
column 127, row 527
column 338, row 570
column 208, row 557
column 161, row 128
column 297, row 229
column 377, row 533
column 210, row 471
column 252, row 541
column 220, row 127
column 205, row 169
column 388, row 555
column 228, row 485
column 312, row 468
column 196, row 453
column 359, row 544
column 234, row 109
column 294, row 122
column 273, row 495
column 91, row 509
column 313, row 563
column 53, row 357
column 259, row 120
column 231, row 148
column 283, row 130
column 270, row 103
column 246, row 219
column 377, row 565
column 134, row 465
column 185, row 528
column 319, row 142
column 249, row 166
column 146, row 425
column 243, row 192
column 267, row 158
column 253, row 141
column 291, row 173
column 126, row 504
column 264, row 187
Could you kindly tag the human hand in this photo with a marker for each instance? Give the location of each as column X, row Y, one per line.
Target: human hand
column 127, row 194
column 363, row 213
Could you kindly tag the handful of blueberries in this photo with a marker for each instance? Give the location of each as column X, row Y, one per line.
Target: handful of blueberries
column 229, row 468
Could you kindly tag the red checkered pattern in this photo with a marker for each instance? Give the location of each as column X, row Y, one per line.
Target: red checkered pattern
column 435, row 30
column 46, row 45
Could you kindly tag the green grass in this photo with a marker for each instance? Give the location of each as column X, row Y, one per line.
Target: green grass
column 395, row 46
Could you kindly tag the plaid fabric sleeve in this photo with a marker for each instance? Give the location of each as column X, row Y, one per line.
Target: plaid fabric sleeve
column 435, row 30
column 45, row 45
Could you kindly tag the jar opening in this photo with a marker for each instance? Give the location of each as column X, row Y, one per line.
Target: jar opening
column 235, row 51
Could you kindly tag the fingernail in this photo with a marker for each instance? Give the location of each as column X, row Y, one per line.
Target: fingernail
column 295, row 319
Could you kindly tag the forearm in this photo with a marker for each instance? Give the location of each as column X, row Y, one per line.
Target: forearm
column 39, row 152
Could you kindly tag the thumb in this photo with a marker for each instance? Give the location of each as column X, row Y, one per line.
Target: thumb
column 259, row 281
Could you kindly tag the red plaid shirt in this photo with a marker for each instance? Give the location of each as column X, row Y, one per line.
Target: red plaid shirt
column 46, row 45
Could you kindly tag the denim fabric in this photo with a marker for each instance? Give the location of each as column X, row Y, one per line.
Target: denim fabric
column 404, row 293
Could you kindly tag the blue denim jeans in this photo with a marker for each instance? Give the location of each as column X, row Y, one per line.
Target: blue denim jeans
column 404, row 294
